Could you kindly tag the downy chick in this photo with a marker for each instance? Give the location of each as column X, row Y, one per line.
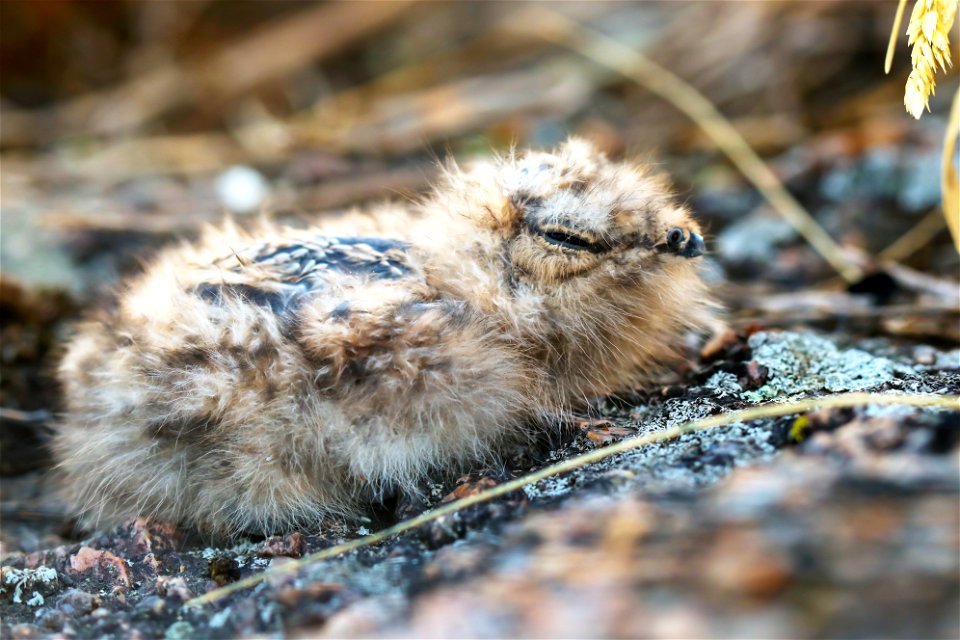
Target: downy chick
column 264, row 382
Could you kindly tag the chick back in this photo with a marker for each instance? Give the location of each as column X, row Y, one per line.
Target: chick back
column 278, row 386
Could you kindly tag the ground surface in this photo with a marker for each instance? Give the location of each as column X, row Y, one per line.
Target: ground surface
column 737, row 531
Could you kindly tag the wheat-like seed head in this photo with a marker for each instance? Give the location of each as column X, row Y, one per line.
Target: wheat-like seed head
column 929, row 35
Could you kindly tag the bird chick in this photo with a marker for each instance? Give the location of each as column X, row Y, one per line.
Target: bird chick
column 262, row 382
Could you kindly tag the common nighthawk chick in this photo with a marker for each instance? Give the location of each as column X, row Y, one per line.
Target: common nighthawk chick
column 266, row 382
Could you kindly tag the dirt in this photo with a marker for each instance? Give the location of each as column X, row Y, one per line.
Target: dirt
column 847, row 526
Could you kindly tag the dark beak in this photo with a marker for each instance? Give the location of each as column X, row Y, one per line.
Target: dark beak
column 679, row 244
column 694, row 247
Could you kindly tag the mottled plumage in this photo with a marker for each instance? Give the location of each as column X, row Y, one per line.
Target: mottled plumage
column 266, row 381
column 290, row 273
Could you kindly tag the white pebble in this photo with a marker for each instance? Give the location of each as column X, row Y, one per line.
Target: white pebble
column 242, row 189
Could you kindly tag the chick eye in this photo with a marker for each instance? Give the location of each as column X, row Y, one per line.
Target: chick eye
column 571, row 241
column 675, row 237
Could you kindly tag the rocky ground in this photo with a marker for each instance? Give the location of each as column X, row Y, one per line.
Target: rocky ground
column 843, row 523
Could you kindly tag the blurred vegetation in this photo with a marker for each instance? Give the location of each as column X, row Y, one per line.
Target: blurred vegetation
column 124, row 123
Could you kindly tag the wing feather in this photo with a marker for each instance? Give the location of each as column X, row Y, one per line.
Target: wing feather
column 282, row 275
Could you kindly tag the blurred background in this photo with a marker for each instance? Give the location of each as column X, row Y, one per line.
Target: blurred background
column 120, row 119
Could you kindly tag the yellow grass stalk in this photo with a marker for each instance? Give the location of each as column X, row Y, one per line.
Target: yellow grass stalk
column 928, row 32
column 772, row 410
column 949, row 184
column 892, row 43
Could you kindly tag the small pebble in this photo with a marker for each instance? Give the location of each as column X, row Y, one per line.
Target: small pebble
column 26, row 631
column 290, row 546
column 78, row 603
column 153, row 604
column 924, row 354
column 242, row 189
column 52, row 619
column 177, row 630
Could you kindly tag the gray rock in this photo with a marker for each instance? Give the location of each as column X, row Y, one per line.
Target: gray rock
column 75, row 602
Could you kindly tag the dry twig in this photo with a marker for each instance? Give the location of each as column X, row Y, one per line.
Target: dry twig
column 894, row 34
column 755, row 413
column 915, row 239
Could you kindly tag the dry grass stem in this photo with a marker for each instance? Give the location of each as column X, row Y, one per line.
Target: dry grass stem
column 892, row 44
column 772, row 410
column 915, row 239
column 949, row 184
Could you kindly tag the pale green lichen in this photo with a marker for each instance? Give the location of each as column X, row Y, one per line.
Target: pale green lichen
column 245, row 548
column 803, row 363
column 23, row 579
column 179, row 630
column 723, row 383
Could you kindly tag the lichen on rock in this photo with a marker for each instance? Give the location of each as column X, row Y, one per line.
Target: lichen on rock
column 17, row 581
column 803, row 363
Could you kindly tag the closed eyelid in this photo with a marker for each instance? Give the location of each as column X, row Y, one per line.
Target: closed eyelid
column 575, row 238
